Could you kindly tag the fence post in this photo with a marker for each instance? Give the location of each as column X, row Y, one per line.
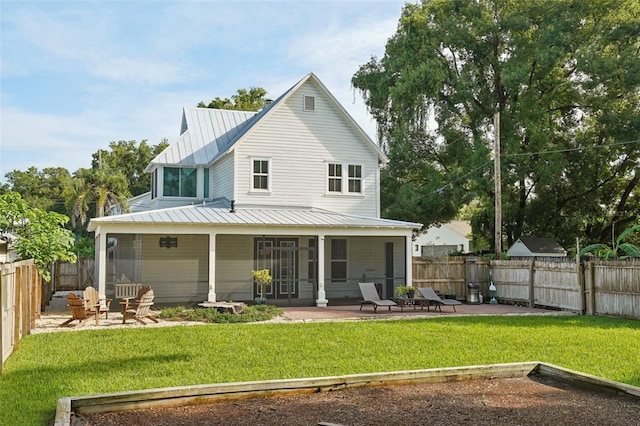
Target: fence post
column 592, row 287
column 532, row 263
column 581, row 285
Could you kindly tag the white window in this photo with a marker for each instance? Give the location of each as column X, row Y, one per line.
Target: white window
column 349, row 173
column 260, row 174
column 309, row 103
column 335, row 177
column 355, row 179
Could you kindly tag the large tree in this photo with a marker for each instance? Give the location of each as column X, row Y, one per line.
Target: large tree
column 41, row 189
column 564, row 76
column 244, row 100
column 129, row 158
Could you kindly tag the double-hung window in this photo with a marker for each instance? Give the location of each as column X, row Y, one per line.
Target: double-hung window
column 336, row 175
column 355, row 179
column 260, row 174
column 179, row 182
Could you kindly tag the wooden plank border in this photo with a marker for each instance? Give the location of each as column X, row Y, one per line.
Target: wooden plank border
column 203, row 394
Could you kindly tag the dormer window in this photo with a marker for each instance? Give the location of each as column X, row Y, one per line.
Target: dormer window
column 179, row 182
column 309, row 103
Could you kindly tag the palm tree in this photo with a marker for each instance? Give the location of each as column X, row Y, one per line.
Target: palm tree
column 102, row 188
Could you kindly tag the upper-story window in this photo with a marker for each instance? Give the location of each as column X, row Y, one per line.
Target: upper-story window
column 335, row 177
column 179, row 182
column 154, row 184
column 355, row 178
column 205, row 183
column 309, row 103
column 260, row 174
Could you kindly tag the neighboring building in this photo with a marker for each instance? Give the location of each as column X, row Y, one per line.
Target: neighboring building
column 536, row 247
column 7, row 254
column 294, row 188
column 442, row 239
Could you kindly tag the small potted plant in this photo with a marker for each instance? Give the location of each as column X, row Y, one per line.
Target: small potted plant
column 262, row 277
column 403, row 291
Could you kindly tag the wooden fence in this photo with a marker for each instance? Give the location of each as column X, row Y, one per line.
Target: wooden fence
column 451, row 275
column 21, row 299
column 595, row 287
column 67, row 276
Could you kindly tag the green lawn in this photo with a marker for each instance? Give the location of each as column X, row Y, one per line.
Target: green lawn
column 49, row 366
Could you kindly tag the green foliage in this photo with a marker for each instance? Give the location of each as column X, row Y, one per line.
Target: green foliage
column 41, row 189
column 263, row 279
column 244, row 100
column 41, row 234
column 130, row 159
column 85, row 247
column 54, row 365
column 96, row 191
column 620, row 249
column 564, row 77
column 211, row 315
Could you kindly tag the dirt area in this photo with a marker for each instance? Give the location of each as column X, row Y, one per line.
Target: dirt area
column 520, row 401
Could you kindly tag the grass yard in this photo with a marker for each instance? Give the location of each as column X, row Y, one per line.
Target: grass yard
column 53, row 365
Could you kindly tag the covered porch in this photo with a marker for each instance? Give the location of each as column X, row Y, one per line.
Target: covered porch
column 312, row 264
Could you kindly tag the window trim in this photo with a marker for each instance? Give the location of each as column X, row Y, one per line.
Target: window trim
column 252, row 189
column 312, row 101
column 345, row 179
column 161, row 190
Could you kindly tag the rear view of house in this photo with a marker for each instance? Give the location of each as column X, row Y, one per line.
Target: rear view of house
column 294, row 188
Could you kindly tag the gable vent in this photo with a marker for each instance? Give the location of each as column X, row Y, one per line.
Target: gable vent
column 309, row 103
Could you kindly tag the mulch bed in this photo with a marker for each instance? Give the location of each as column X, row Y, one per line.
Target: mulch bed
column 520, row 401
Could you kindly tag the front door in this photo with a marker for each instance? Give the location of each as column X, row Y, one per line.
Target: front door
column 280, row 256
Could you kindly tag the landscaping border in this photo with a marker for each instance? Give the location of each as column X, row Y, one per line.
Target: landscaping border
column 203, row 394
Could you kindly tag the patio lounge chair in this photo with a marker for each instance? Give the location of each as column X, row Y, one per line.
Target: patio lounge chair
column 78, row 310
column 139, row 309
column 92, row 302
column 437, row 301
column 370, row 296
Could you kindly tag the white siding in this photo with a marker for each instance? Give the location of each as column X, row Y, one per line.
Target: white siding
column 300, row 144
column 177, row 275
column 222, row 178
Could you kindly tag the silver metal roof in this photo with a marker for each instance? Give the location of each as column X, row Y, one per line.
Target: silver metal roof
column 208, row 133
column 219, row 214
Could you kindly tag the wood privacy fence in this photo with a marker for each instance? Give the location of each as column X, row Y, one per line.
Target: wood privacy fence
column 21, row 299
column 67, row 276
column 595, row 287
column 451, row 275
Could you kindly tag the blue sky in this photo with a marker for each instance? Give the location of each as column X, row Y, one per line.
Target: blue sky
column 76, row 75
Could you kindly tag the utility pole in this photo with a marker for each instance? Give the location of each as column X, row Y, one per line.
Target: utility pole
column 498, row 184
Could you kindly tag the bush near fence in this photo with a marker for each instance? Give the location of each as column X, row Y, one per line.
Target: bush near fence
column 593, row 287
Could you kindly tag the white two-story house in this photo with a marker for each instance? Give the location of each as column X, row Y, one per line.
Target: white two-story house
column 294, row 188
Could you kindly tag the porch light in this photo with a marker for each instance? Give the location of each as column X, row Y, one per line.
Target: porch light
column 168, row 242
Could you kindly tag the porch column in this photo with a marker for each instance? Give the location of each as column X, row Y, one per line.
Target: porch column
column 322, row 301
column 101, row 252
column 211, row 297
column 408, row 258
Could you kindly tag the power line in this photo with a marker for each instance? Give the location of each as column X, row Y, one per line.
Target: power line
column 580, row 148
